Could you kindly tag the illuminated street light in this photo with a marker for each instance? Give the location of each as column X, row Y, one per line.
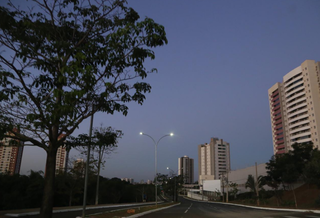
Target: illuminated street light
column 155, row 160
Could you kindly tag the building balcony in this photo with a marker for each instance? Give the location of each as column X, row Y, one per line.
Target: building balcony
column 279, row 147
column 277, row 117
column 277, row 127
column 303, row 128
column 276, row 108
column 274, row 94
column 295, row 81
column 304, row 140
column 303, row 134
column 277, row 122
column 281, row 152
column 300, row 111
column 280, row 142
column 300, row 104
column 276, row 102
column 279, row 131
column 294, row 91
column 297, row 99
column 303, row 122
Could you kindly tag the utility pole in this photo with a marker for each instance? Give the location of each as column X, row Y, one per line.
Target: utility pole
column 257, row 185
column 87, row 169
column 175, row 189
column 202, row 189
column 222, row 181
column 227, row 200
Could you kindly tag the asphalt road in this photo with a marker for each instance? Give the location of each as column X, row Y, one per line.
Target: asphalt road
column 194, row 209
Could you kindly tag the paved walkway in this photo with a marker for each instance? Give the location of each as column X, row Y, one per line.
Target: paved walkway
column 34, row 211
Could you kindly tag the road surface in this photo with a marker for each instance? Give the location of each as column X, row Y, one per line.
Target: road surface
column 194, row 209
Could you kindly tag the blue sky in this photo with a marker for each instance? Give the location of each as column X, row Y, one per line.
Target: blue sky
column 212, row 81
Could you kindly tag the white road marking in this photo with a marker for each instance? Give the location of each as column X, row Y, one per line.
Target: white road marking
column 290, row 216
column 188, row 208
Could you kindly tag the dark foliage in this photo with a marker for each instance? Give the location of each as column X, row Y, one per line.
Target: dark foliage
column 20, row 191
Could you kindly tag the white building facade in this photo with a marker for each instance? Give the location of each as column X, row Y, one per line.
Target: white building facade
column 294, row 107
column 213, row 159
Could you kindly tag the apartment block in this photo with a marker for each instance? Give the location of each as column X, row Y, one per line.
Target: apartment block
column 294, row 107
column 62, row 159
column 213, row 159
column 10, row 157
column 186, row 169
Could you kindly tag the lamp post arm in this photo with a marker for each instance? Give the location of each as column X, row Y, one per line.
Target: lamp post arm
column 162, row 138
column 150, row 138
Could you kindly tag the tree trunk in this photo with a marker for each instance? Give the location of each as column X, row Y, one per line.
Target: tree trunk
column 70, row 198
column 294, row 196
column 98, row 178
column 48, row 192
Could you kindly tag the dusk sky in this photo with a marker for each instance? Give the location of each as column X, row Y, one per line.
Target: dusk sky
column 212, row 81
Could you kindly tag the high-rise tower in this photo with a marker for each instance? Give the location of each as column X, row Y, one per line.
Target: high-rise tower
column 10, row 157
column 294, row 107
column 62, row 158
column 186, row 169
column 213, row 159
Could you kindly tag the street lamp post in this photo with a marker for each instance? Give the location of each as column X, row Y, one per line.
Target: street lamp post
column 155, row 160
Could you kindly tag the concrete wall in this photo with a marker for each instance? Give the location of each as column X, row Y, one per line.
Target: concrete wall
column 212, row 185
column 197, row 196
column 240, row 176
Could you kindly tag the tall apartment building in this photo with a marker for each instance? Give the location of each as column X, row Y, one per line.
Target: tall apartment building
column 62, row 159
column 213, row 159
column 10, row 157
column 295, row 107
column 186, row 169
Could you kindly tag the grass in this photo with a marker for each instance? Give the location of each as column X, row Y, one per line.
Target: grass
column 129, row 211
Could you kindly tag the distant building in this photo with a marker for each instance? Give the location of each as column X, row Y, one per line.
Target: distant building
column 213, row 159
column 130, row 180
column 62, row 159
column 294, row 107
column 186, row 169
column 10, row 157
column 149, row 182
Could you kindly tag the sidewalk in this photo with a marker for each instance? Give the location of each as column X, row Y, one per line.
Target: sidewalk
column 259, row 208
column 35, row 211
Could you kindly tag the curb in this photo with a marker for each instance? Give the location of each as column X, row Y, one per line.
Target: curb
column 151, row 211
column 259, row 208
column 70, row 210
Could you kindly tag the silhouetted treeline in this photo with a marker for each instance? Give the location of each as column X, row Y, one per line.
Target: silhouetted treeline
column 21, row 191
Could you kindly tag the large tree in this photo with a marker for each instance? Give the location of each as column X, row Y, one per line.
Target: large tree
column 103, row 142
column 290, row 167
column 64, row 60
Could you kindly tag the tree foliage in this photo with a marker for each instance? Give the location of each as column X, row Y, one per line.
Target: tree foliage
column 64, row 60
column 251, row 183
column 102, row 143
column 234, row 189
column 288, row 168
column 312, row 169
column 21, row 191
